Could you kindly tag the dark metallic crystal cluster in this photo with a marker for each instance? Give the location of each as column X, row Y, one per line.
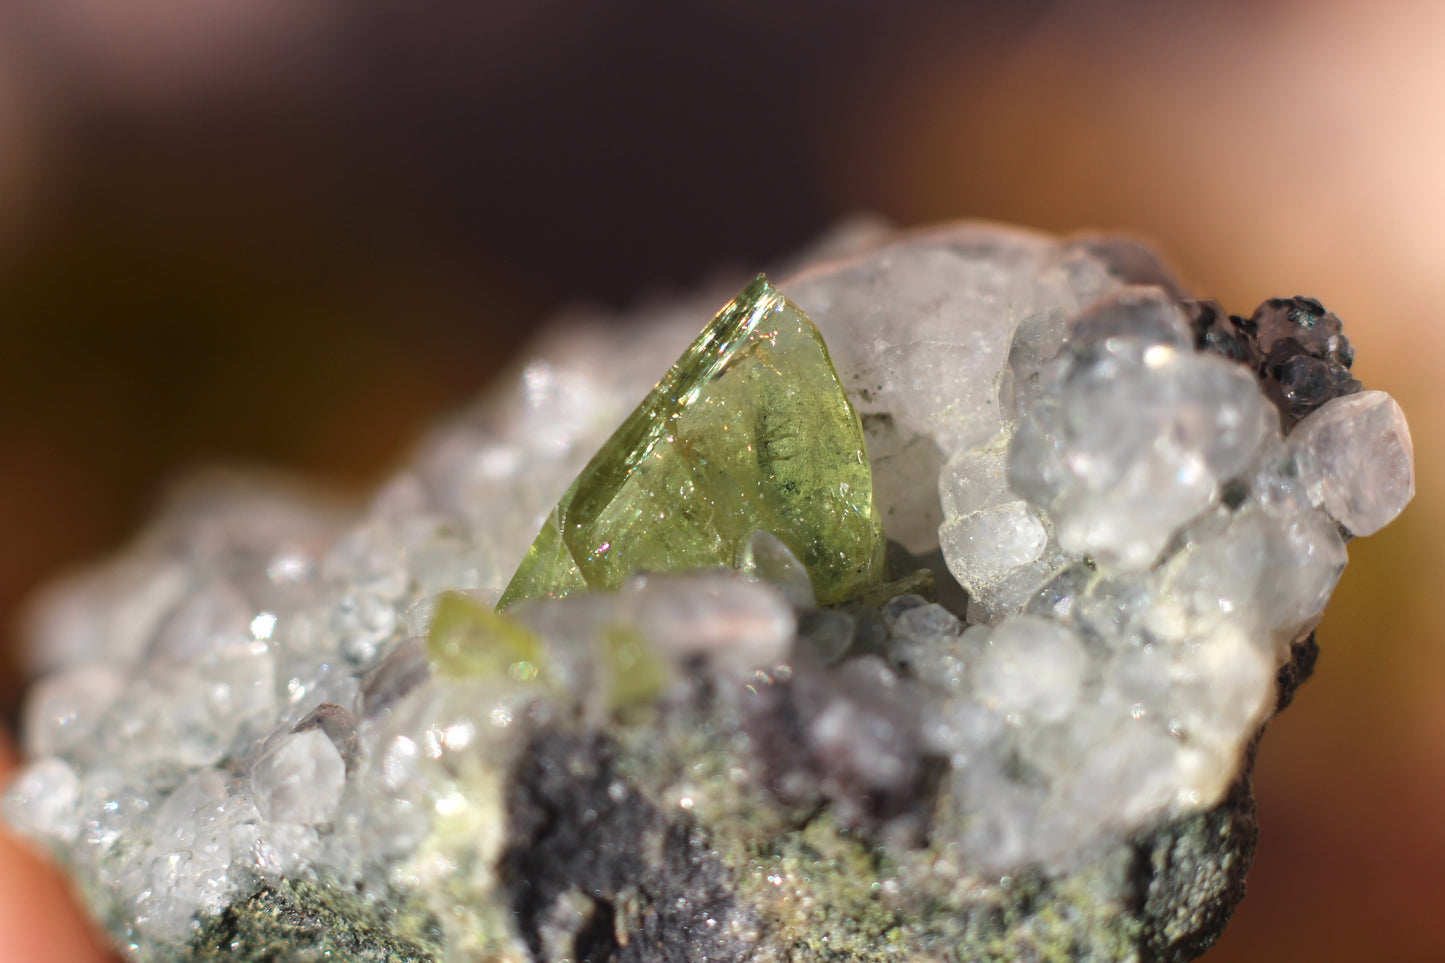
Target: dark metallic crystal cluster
column 1297, row 348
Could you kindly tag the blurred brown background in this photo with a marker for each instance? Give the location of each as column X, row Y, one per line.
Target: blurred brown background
column 294, row 231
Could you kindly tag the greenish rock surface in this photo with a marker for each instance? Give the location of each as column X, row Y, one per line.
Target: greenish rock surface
column 297, row 922
column 749, row 431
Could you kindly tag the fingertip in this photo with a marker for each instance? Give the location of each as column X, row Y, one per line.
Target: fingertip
column 39, row 917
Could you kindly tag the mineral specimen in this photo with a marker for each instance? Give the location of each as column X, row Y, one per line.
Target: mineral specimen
column 705, row 725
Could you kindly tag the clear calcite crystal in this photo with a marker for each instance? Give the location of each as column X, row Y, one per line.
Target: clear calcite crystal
column 690, row 734
column 1356, row 460
column 1130, row 433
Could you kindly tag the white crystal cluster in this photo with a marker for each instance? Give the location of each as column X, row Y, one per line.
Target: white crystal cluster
column 245, row 695
column 1125, row 621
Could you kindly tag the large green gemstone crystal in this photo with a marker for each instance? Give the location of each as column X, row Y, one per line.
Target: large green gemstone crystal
column 750, row 430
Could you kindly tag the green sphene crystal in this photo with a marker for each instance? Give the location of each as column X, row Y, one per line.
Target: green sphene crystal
column 636, row 676
column 468, row 640
column 749, row 431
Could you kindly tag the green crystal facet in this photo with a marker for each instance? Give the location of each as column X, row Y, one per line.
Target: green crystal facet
column 749, row 431
column 468, row 640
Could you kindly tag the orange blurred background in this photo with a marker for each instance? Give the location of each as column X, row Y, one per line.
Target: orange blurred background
column 293, row 233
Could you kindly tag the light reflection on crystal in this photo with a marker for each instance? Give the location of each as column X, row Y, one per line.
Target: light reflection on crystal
column 262, row 626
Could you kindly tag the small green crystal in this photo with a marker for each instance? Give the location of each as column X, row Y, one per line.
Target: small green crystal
column 468, row 640
column 750, row 430
column 636, row 676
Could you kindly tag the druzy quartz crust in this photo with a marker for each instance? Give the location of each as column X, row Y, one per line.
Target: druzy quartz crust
column 928, row 608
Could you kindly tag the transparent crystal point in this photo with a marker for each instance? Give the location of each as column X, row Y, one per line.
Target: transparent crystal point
column 1356, row 459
